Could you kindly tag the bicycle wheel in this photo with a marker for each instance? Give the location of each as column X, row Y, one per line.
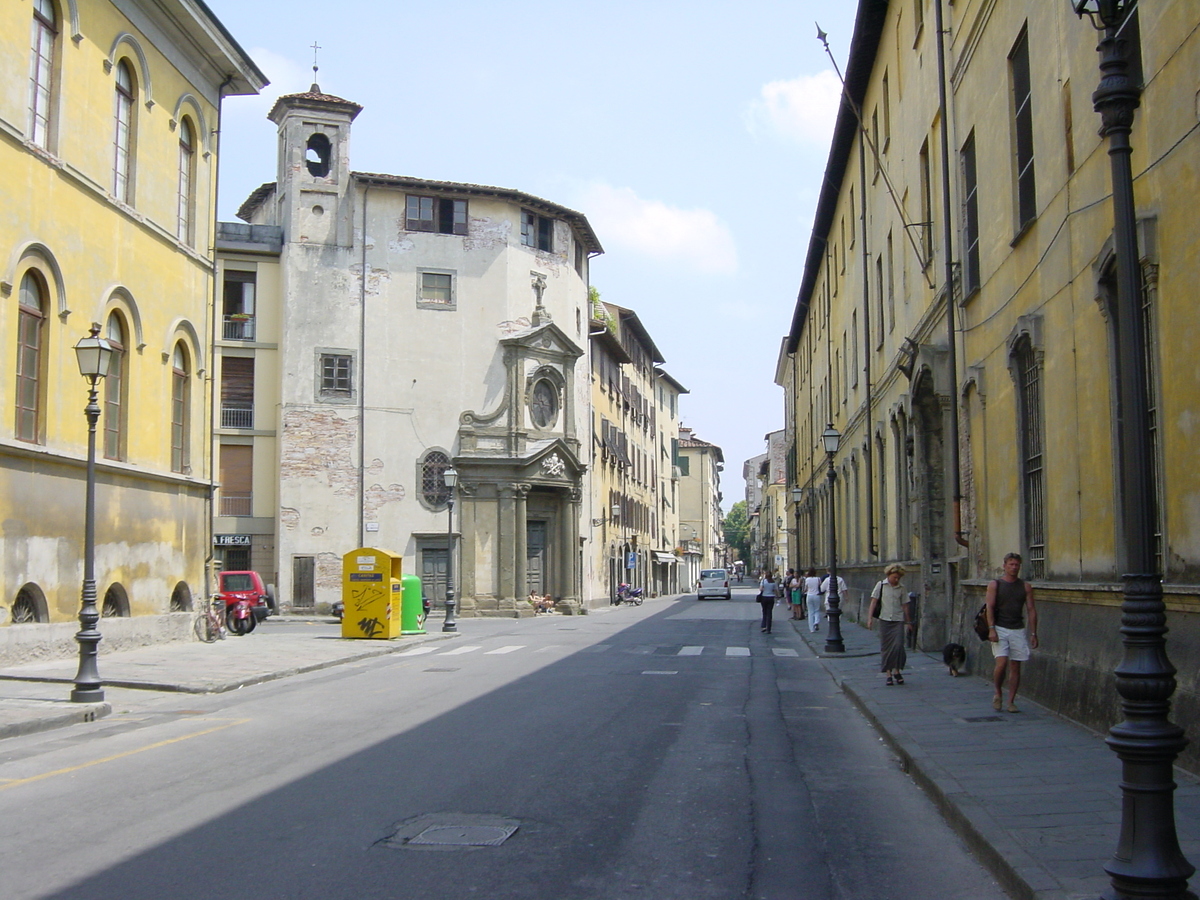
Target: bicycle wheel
column 204, row 629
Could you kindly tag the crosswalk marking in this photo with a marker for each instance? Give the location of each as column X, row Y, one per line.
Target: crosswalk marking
column 547, row 648
column 508, row 649
column 596, row 648
column 640, row 650
column 418, row 651
column 784, row 651
column 690, row 651
column 459, row 651
column 737, row 651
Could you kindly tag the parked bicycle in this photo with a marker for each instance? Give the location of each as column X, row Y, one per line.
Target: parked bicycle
column 210, row 623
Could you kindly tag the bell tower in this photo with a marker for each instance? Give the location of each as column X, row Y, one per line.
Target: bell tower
column 313, row 179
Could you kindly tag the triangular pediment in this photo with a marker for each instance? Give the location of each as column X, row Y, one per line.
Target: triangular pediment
column 552, row 459
column 548, row 338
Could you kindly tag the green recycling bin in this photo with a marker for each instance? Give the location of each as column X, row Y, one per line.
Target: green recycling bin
column 412, row 609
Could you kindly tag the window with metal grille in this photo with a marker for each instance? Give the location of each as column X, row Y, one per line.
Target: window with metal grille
column 436, row 214
column 1023, row 130
column 41, row 71
column 433, row 482
column 237, row 392
column 337, row 375
column 1029, row 389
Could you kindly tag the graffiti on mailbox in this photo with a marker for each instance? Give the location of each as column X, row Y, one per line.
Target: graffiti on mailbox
column 370, row 627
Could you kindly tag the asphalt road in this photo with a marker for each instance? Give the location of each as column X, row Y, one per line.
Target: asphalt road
column 664, row 751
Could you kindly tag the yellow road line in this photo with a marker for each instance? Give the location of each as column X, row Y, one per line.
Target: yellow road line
column 95, row 762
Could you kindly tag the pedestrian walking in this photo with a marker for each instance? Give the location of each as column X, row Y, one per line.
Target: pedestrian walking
column 841, row 590
column 812, row 594
column 795, row 594
column 1009, row 608
column 768, row 590
column 887, row 605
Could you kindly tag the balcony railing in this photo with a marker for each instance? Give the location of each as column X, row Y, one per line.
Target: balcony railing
column 237, row 328
column 236, row 504
column 236, row 417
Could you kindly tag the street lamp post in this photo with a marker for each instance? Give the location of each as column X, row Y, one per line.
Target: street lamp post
column 93, row 354
column 1147, row 861
column 451, row 478
column 797, row 496
column 833, row 643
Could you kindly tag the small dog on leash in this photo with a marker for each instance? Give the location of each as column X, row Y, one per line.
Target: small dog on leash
column 955, row 657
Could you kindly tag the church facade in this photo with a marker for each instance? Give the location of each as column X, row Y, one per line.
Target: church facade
column 416, row 325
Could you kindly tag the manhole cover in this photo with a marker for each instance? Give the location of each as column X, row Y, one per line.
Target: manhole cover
column 465, row 835
column 441, row 670
column 983, row 718
column 451, row 831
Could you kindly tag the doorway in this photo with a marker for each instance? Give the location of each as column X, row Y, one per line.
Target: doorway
column 433, row 575
column 303, row 581
column 535, row 557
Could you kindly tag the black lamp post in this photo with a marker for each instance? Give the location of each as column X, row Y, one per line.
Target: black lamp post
column 1147, row 861
column 450, row 476
column 93, row 354
column 797, row 496
column 831, row 437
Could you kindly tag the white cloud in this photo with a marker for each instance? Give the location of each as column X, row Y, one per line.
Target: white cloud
column 286, row 76
column 696, row 237
column 802, row 110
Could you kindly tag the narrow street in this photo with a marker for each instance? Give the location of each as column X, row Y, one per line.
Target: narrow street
column 663, row 751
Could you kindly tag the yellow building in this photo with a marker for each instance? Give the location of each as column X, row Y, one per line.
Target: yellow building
column 1012, row 410
column 108, row 139
column 634, row 475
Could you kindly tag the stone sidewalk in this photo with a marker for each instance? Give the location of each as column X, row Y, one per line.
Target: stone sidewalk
column 1036, row 797
column 35, row 696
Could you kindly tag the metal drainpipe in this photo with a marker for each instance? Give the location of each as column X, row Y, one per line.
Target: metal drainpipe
column 955, row 463
column 213, row 409
column 362, row 373
column 872, row 547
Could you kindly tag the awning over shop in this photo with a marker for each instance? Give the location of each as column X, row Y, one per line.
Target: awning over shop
column 667, row 558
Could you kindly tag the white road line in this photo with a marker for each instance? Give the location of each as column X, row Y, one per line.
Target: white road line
column 418, row 651
column 596, row 648
column 690, row 651
column 459, row 651
column 659, row 673
column 547, row 648
column 510, row 649
column 784, row 651
column 737, row 651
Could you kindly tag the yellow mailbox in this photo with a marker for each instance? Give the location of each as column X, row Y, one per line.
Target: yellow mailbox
column 371, row 591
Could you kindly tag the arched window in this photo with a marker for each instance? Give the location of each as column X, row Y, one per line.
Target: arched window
column 317, row 155
column 180, row 410
column 433, row 483
column 31, row 316
column 114, row 390
column 29, row 606
column 187, row 182
column 41, row 71
column 123, row 138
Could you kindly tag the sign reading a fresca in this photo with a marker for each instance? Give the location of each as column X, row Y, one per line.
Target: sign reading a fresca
column 371, row 589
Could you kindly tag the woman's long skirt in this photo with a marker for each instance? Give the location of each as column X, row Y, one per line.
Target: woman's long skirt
column 891, row 646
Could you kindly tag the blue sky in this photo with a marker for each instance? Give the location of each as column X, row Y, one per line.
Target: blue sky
column 693, row 135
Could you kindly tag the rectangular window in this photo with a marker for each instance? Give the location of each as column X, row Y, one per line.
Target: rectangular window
column 887, row 115
column 926, row 198
column 1023, row 130
column 180, row 396
column 336, row 375
column 29, row 371
column 237, row 306
column 537, row 231
column 436, row 289
column 237, row 480
column 41, row 72
column 436, row 214
column 891, row 285
column 237, row 392
column 970, row 217
column 875, row 141
column 1032, row 463
column 879, row 294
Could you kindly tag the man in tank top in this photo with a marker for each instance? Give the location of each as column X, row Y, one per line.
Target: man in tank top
column 1012, row 628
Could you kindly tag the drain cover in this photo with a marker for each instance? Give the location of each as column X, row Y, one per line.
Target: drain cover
column 451, row 831
column 983, row 718
column 465, row 835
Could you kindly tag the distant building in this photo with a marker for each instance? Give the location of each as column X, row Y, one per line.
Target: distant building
column 635, row 410
column 381, row 329
column 700, row 467
column 109, row 194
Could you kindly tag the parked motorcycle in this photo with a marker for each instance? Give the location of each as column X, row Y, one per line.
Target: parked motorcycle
column 239, row 617
column 627, row 594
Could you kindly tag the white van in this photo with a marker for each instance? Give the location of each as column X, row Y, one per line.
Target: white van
column 714, row 583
